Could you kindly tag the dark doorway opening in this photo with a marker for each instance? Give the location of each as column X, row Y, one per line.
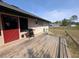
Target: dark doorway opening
column 10, row 27
column 23, row 24
column 9, row 22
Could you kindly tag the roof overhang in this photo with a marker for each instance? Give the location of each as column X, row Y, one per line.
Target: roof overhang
column 6, row 5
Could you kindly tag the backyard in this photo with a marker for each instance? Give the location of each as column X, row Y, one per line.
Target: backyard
column 72, row 38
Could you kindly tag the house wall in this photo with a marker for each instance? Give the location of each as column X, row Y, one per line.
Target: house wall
column 39, row 27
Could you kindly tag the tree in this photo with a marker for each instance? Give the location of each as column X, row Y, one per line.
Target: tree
column 65, row 22
column 57, row 22
column 72, row 19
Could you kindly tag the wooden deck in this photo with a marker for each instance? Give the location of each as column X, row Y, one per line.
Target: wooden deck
column 44, row 46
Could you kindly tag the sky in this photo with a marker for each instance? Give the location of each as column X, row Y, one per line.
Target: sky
column 52, row 10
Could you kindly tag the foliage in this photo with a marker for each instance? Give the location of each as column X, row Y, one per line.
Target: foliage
column 65, row 22
column 74, row 17
column 57, row 22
